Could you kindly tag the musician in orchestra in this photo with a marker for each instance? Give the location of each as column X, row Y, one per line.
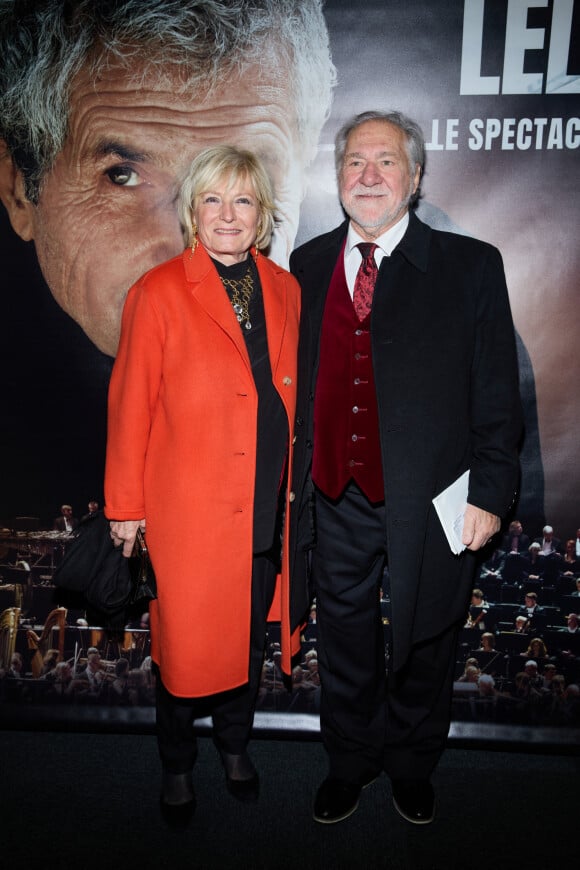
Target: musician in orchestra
column 521, row 624
column 13, row 686
column 535, row 680
column 65, row 522
column 487, row 642
column 62, row 686
column 471, row 671
column 548, row 674
column 477, row 611
column 532, row 611
column 534, row 566
column 572, row 624
column 93, row 509
column 201, row 415
column 536, row 649
column 91, row 679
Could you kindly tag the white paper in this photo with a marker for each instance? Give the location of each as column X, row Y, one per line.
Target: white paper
column 450, row 506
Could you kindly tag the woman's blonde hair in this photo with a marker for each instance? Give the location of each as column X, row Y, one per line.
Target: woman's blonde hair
column 213, row 165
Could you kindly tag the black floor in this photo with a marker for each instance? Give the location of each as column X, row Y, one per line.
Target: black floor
column 89, row 801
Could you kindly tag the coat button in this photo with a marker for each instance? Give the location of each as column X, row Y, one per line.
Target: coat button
column 294, row 440
column 287, row 381
column 291, row 496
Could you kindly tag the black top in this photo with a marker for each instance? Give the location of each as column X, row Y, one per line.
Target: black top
column 272, row 425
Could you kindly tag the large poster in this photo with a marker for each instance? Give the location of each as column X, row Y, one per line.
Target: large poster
column 495, row 86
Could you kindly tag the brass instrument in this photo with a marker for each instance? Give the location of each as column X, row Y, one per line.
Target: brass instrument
column 9, row 620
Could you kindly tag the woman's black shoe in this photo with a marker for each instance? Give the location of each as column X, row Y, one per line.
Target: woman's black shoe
column 177, row 799
column 242, row 780
column 246, row 790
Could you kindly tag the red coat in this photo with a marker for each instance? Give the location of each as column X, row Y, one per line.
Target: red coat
column 181, row 453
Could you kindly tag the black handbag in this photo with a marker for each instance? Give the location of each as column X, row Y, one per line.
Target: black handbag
column 111, row 583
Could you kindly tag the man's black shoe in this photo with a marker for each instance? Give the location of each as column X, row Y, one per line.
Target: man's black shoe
column 414, row 800
column 335, row 800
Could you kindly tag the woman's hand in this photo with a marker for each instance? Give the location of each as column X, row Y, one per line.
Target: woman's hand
column 124, row 532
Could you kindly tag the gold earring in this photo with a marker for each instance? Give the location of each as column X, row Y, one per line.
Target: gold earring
column 258, row 234
column 194, row 241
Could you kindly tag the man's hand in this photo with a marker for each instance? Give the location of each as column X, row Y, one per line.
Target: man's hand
column 124, row 532
column 479, row 527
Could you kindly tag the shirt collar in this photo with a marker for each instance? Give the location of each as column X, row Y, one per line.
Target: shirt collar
column 387, row 242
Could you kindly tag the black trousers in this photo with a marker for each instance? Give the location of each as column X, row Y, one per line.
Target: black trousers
column 371, row 720
column 232, row 712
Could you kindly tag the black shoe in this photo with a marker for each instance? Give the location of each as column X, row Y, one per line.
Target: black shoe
column 242, row 779
column 414, row 800
column 245, row 790
column 177, row 816
column 177, row 799
column 335, row 801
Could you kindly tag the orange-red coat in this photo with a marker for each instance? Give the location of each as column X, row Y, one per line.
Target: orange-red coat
column 181, row 453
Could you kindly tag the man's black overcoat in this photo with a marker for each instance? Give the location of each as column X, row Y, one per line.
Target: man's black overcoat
column 446, row 375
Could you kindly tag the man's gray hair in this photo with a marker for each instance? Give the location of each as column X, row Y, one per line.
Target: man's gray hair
column 44, row 44
column 414, row 139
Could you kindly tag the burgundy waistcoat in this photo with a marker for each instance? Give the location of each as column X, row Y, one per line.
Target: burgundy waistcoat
column 346, row 423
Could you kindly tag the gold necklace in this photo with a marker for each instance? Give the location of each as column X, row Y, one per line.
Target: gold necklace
column 242, row 290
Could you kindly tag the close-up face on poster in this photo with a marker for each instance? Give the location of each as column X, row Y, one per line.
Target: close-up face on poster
column 96, row 137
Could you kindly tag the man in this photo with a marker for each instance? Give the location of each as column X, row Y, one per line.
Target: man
column 572, row 626
column 477, row 612
column 536, row 679
column 103, row 107
column 394, row 405
column 568, row 642
column 515, row 541
column 92, row 678
column 65, row 522
column 533, row 613
column 95, row 147
column 93, row 509
column 549, row 545
column 522, row 624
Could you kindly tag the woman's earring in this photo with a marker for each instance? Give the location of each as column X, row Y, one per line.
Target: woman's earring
column 194, row 241
column 258, row 234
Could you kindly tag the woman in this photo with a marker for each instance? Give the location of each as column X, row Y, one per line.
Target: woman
column 570, row 560
column 201, row 410
column 535, row 563
column 471, row 671
column 487, row 642
column 536, row 649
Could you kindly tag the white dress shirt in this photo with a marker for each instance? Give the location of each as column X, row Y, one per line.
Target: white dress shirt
column 386, row 244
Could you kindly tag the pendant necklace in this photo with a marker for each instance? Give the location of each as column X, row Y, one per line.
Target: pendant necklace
column 240, row 293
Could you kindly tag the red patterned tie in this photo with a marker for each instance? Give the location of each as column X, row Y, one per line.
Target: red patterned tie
column 366, row 277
